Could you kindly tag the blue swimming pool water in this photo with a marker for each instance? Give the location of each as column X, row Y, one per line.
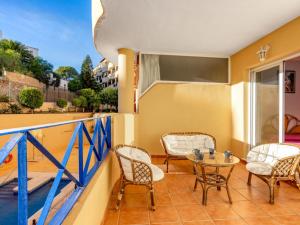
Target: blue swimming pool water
column 9, row 203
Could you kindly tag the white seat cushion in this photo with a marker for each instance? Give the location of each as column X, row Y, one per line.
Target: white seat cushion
column 262, row 158
column 136, row 154
column 271, row 153
column 181, row 145
column 259, row 168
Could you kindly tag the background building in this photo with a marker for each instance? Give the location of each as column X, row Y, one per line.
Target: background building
column 34, row 51
column 106, row 74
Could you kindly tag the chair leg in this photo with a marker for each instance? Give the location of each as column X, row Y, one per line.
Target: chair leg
column 297, row 178
column 249, row 178
column 196, row 184
column 228, row 193
column 152, row 198
column 167, row 164
column 120, row 194
column 271, row 187
column 205, row 190
column 218, row 178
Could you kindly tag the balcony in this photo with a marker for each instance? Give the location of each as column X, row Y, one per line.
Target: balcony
column 93, row 185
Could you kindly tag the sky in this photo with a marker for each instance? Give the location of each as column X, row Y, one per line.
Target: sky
column 60, row 29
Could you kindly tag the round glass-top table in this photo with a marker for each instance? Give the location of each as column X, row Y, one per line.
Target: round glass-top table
column 212, row 179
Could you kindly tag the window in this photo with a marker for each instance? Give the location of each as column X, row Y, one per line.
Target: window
column 182, row 69
column 193, row 69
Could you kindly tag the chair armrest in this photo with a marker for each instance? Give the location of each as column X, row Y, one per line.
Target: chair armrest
column 132, row 146
column 286, row 166
column 142, row 172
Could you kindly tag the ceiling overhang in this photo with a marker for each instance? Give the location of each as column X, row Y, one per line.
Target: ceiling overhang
column 193, row 27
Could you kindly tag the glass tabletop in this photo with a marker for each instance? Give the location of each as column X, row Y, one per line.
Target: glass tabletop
column 218, row 160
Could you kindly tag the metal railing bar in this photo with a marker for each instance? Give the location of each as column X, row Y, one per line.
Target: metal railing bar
column 108, row 131
column 80, row 155
column 52, row 159
column 50, row 197
column 102, row 128
column 36, row 127
column 9, row 146
column 66, row 207
column 92, row 172
column 22, row 181
column 87, row 163
column 92, row 141
column 99, row 139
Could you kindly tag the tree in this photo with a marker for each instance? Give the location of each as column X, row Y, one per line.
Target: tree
column 76, row 102
column 56, row 79
column 74, row 85
column 90, row 95
column 31, row 98
column 41, row 70
column 26, row 56
column 96, row 102
column 67, row 72
column 84, row 102
column 87, row 77
column 10, row 60
column 109, row 96
column 113, row 97
column 80, row 102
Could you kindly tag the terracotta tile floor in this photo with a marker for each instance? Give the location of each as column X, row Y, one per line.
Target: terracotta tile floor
column 177, row 204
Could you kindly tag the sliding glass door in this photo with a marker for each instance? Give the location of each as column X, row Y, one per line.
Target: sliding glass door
column 266, row 94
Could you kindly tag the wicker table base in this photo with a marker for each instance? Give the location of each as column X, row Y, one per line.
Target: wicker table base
column 213, row 179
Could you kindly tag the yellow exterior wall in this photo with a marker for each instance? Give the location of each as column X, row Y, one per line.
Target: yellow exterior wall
column 284, row 42
column 184, row 107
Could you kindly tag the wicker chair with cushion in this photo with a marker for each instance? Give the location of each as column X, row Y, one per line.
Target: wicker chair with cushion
column 178, row 145
column 273, row 163
column 137, row 169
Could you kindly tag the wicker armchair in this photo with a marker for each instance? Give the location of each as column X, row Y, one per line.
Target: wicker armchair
column 178, row 145
column 274, row 163
column 136, row 169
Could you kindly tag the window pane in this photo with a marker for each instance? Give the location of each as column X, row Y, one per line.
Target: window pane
column 267, row 106
column 196, row 69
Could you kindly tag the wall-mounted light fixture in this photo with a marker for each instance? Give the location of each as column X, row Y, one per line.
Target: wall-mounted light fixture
column 262, row 53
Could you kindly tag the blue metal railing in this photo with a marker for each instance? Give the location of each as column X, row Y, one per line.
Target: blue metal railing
column 99, row 145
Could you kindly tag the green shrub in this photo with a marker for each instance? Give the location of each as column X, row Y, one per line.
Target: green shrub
column 84, row 102
column 61, row 103
column 4, row 98
column 31, row 98
column 15, row 109
column 80, row 102
column 109, row 96
column 89, row 95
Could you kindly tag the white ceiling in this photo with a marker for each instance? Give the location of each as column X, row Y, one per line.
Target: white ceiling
column 188, row 27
